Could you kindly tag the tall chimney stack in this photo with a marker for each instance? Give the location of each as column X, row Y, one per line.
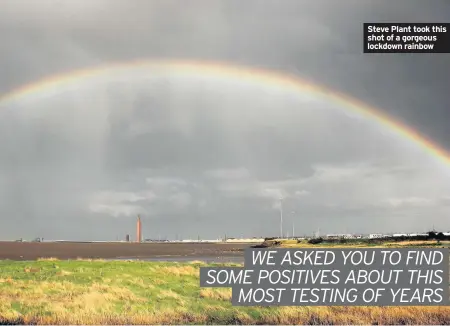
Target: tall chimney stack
column 139, row 230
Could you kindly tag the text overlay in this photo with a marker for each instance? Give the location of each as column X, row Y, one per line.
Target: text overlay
column 406, row 38
column 336, row 277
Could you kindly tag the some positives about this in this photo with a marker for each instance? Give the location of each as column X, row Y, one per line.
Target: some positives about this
column 336, row 277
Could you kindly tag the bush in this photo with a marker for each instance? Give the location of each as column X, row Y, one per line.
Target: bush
column 315, row 240
column 440, row 236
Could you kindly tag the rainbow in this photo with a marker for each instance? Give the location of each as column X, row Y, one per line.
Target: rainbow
column 233, row 72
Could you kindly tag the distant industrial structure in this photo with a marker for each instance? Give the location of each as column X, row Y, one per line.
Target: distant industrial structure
column 139, row 229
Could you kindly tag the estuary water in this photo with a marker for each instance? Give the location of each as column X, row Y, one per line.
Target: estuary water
column 185, row 259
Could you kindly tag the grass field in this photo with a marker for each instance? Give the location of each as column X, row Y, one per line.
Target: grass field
column 132, row 292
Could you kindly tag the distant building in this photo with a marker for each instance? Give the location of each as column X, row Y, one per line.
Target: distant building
column 340, row 236
column 376, row 236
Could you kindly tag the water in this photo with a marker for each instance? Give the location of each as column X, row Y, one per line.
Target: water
column 184, row 259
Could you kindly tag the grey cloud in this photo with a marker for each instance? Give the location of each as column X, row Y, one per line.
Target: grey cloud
column 160, row 177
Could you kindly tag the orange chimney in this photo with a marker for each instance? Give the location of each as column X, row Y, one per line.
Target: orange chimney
column 139, row 230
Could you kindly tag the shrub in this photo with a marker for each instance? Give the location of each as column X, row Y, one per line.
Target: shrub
column 315, row 240
column 440, row 236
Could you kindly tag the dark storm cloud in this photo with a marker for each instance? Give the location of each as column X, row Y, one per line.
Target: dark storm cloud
column 198, row 159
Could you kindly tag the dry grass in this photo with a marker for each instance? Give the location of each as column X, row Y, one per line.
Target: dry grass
column 90, row 259
column 186, row 270
column 359, row 315
column 216, row 293
column 425, row 243
column 63, row 273
column 47, row 259
column 152, row 318
column 198, row 262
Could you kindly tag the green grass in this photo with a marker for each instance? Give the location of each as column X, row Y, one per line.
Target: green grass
column 122, row 292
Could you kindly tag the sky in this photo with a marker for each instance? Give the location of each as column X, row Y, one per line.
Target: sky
column 197, row 155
